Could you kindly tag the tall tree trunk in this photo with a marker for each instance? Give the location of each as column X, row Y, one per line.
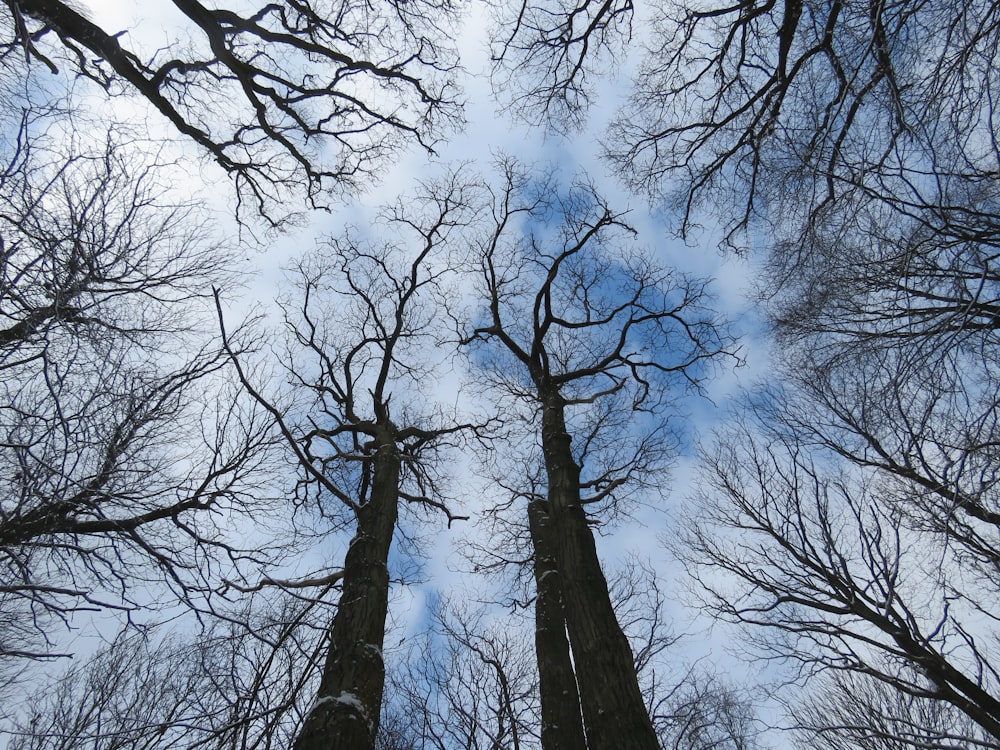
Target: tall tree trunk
column 562, row 725
column 614, row 712
column 345, row 715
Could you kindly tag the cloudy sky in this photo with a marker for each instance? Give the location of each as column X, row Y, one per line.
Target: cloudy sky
column 490, row 132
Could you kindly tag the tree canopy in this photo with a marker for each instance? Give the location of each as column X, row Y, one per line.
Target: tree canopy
column 440, row 481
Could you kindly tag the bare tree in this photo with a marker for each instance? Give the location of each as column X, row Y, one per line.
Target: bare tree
column 869, row 164
column 241, row 683
column 889, row 419
column 546, row 56
column 590, row 338
column 802, row 112
column 561, row 712
column 362, row 330
column 691, row 708
column 472, row 680
column 120, row 440
column 851, row 711
column 132, row 695
column 704, row 712
column 845, row 569
column 317, row 93
column 467, row 682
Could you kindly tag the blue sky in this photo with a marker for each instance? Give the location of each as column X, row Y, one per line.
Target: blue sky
column 488, row 133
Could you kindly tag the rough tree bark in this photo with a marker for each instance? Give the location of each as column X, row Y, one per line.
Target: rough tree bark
column 562, row 724
column 345, row 714
column 613, row 709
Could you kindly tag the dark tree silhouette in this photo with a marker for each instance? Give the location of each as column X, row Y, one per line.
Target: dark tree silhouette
column 804, row 112
column 288, row 96
column 797, row 114
column 888, row 346
column 241, row 683
column 547, row 55
column 468, row 681
column 704, row 712
column 363, row 329
column 856, row 141
column 850, row 711
column 561, row 715
column 119, row 437
column 848, row 568
column 592, row 338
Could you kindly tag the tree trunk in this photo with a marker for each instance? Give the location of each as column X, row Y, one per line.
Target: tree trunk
column 345, row 715
column 562, row 726
column 614, row 712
